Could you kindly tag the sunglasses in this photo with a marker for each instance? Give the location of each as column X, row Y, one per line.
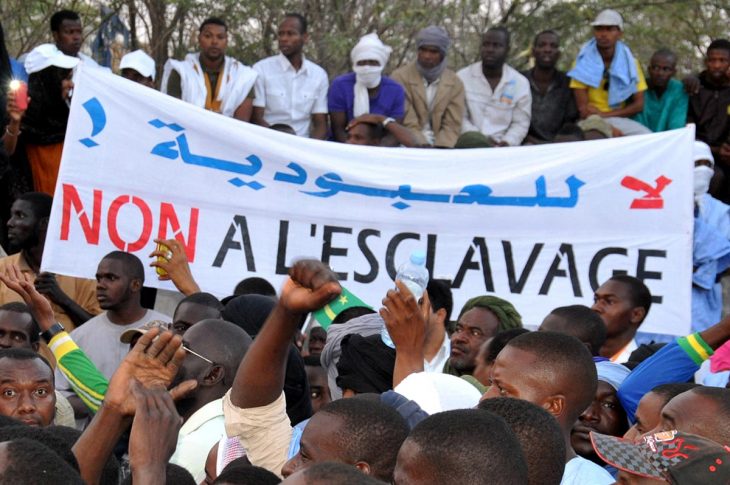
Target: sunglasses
column 191, row 351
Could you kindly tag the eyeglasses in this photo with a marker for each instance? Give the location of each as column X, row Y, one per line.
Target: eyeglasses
column 190, row 351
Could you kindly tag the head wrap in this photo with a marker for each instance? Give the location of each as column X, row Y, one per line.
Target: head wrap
column 369, row 324
column 366, row 364
column 250, row 313
column 612, row 373
column 368, row 48
column 433, row 36
column 473, row 139
column 436, row 392
column 701, row 151
column 504, row 311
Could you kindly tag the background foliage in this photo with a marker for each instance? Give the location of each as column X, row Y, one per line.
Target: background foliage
column 169, row 27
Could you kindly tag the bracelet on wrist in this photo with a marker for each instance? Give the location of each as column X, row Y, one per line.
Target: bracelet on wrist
column 7, row 130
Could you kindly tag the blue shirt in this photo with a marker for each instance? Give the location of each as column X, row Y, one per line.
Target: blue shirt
column 390, row 100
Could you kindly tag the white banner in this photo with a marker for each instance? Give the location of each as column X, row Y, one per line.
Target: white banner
column 540, row 226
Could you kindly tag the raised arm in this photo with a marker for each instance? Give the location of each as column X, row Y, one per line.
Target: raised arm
column 260, row 377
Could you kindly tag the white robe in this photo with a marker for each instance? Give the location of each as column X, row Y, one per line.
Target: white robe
column 238, row 80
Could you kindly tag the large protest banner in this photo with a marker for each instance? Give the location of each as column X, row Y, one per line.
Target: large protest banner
column 541, row 226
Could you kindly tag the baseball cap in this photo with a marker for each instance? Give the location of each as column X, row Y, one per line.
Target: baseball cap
column 140, row 62
column 674, row 456
column 129, row 334
column 46, row 55
column 609, row 18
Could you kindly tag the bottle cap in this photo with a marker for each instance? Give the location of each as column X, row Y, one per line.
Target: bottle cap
column 418, row 257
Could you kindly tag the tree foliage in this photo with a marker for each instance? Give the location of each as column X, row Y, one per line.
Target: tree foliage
column 167, row 28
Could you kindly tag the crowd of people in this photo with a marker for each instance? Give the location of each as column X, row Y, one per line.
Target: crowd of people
column 303, row 385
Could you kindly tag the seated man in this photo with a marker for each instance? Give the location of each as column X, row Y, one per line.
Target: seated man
column 26, row 386
column 434, row 94
column 137, row 66
column 607, row 80
column 665, row 102
column 553, row 105
column 498, row 100
column 708, row 111
column 623, row 303
column 711, row 245
column 365, row 90
column 290, row 89
column 557, row 373
column 210, row 79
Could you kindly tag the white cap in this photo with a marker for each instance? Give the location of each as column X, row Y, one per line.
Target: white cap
column 701, row 151
column 140, row 62
column 609, row 18
column 46, row 55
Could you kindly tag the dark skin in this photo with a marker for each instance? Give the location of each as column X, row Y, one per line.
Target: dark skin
column 612, row 301
column 188, row 314
column 662, row 69
column 134, row 75
column 154, row 434
column 15, row 331
column 27, row 231
column 27, row 391
column 213, row 41
column 606, row 38
column 68, row 37
column 472, row 330
column 291, row 44
column 338, row 119
column 508, row 379
column 546, row 51
column 605, row 415
column 494, row 50
column 400, row 133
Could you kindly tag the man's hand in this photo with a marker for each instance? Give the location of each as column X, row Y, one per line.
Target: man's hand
column 153, row 362
column 47, row 285
column 691, row 84
column 39, row 306
column 154, row 433
column 404, row 319
column 174, row 263
column 370, row 118
column 310, row 286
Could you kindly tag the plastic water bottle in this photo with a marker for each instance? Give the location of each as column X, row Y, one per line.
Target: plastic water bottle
column 414, row 275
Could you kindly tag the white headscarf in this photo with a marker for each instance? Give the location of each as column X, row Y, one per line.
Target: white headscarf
column 368, row 48
column 702, row 173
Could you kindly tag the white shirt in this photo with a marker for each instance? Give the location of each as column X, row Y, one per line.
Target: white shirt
column 579, row 471
column 623, row 355
column 431, row 90
column 439, row 360
column 99, row 339
column 289, row 96
column 197, row 436
column 503, row 113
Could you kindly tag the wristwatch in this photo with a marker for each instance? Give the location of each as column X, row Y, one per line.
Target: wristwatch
column 55, row 329
column 387, row 121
